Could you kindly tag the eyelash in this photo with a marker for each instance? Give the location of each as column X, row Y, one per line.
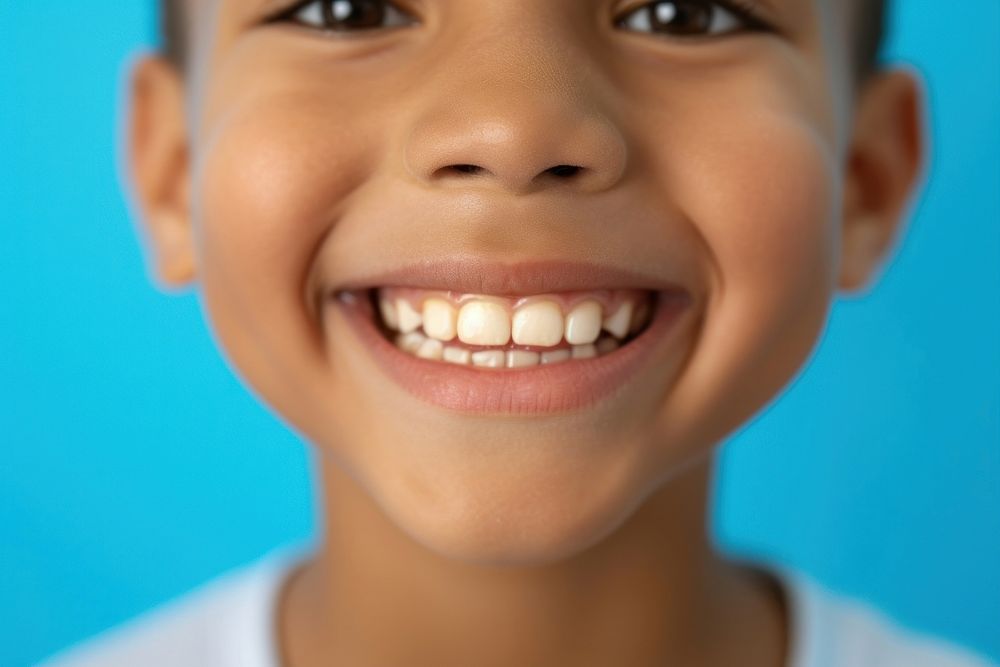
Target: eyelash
column 744, row 11
column 289, row 16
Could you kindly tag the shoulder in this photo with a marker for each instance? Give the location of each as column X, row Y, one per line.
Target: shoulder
column 225, row 622
column 835, row 630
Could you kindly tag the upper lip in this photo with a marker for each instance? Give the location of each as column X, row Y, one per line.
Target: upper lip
column 476, row 275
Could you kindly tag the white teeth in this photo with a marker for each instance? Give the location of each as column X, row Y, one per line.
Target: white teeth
column 483, row 323
column 583, row 324
column 606, row 345
column 539, row 323
column 410, row 342
column 440, row 319
column 409, row 319
column 556, row 356
column 389, row 315
column 486, row 322
column 617, row 325
column 488, row 358
column 522, row 358
column 430, row 349
column 457, row 355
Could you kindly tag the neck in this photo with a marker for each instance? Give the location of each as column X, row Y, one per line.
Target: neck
column 653, row 592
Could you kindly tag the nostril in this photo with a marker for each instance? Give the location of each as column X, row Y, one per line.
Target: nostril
column 564, row 170
column 465, row 168
column 559, row 171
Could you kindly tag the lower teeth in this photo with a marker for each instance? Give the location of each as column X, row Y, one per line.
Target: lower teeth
column 419, row 345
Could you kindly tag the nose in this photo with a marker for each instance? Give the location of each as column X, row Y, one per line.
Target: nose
column 521, row 127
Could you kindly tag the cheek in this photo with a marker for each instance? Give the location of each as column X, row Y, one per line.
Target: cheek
column 764, row 203
column 748, row 160
column 771, row 226
column 763, row 197
column 270, row 178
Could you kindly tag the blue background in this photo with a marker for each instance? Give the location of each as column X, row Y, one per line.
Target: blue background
column 134, row 466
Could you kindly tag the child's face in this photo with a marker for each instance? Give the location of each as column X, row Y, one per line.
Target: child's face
column 731, row 167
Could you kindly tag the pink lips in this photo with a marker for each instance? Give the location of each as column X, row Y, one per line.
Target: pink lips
column 479, row 276
column 565, row 387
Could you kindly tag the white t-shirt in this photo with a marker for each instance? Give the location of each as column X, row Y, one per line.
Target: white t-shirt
column 229, row 622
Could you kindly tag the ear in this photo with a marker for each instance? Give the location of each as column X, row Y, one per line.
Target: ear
column 159, row 166
column 884, row 162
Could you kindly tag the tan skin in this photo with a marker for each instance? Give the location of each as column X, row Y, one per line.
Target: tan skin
column 286, row 162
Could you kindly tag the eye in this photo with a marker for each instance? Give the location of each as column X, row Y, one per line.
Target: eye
column 691, row 18
column 346, row 15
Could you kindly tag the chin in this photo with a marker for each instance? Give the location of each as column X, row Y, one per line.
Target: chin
column 515, row 539
column 516, row 519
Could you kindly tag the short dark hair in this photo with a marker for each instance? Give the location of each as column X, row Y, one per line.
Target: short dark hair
column 869, row 33
column 869, row 30
column 173, row 32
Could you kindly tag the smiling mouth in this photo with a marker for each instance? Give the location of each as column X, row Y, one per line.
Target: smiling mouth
column 529, row 338
column 497, row 332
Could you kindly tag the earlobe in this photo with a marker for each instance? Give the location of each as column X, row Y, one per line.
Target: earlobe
column 174, row 250
column 159, row 166
column 884, row 163
column 864, row 246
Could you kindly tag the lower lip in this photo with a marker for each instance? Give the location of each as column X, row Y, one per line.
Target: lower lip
column 565, row 387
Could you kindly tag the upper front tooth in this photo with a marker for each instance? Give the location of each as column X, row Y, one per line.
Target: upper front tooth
column 409, row 319
column 483, row 323
column 440, row 319
column 618, row 323
column 583, row 324
column 539, row 323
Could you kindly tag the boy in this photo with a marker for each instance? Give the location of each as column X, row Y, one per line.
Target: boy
column 516, row 268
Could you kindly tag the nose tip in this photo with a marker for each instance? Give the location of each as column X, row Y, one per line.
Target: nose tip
column 526, row 151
